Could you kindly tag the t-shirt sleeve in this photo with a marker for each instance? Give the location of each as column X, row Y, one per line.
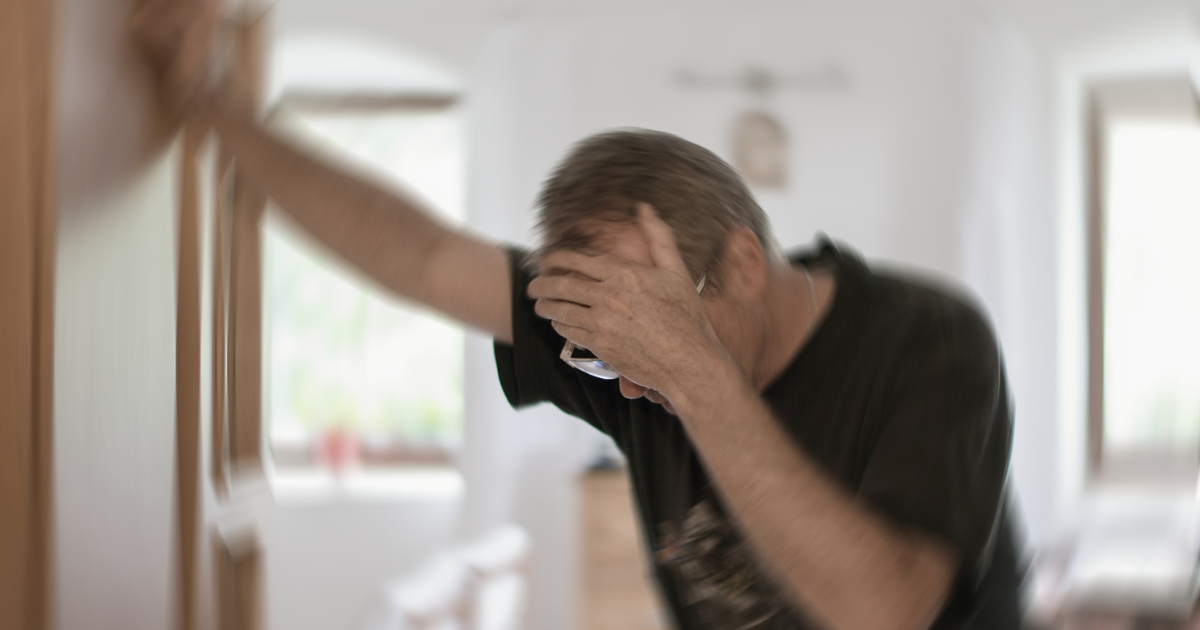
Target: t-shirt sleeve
column 531, row 371
column 940, row 462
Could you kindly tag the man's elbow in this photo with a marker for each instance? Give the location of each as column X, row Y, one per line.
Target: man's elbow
column 910, row 594
column 926, row 579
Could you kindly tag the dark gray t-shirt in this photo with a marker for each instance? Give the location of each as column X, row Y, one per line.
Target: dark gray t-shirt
column 900, row 395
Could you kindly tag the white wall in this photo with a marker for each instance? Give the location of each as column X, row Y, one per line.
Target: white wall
column 326, row 560
column 1007, row 246
column 874, row 165
column 115, row 408
column 114, row 331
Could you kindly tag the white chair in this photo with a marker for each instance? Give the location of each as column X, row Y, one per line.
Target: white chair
column 499, row 565
column 480, row 585
column 430, row 598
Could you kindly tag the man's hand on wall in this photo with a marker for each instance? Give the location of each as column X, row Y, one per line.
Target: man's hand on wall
column 177, row 38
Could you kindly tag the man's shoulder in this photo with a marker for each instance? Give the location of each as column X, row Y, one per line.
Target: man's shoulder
column 912, row 306
column 944, row 343
column 927, row 299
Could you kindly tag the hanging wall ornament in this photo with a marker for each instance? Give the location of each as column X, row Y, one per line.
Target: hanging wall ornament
column 760, row 149
column 760, row 142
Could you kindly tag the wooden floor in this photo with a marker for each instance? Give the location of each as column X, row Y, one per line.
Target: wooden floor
column 616, row 593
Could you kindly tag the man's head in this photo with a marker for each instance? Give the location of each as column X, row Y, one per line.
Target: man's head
column 591, row 202
column 696, row 193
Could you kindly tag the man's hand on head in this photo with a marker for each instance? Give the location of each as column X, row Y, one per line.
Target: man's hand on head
column 646, row 321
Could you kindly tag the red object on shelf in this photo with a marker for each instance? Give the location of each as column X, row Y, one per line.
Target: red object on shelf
column 339, row 450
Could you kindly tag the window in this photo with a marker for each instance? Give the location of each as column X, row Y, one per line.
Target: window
column 349, row 364
column 1144, row 269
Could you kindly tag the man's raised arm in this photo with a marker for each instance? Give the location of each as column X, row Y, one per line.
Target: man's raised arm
column 379, row 232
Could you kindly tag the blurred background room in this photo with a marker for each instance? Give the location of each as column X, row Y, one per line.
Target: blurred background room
column 1044, row 154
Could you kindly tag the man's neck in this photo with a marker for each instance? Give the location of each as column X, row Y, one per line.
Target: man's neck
column 790, row 317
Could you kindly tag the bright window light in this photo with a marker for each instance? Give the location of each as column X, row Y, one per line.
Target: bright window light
column 1152, row 287
column 343, row 354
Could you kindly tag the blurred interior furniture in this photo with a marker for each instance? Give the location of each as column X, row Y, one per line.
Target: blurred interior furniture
column 1134, row 567
column 615, row 590
column 499, row 583
column 479, row 585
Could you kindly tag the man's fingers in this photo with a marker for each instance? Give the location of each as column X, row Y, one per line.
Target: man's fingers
column 163, row 22
column 156, row 31
column 575, row 334
column 661, row 240
column 176, row 36
column 195, row 46
column 563, row 288
column 564, row 313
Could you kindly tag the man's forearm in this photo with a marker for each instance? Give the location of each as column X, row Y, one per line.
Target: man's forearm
column 843, row 563
column 378, row 231
column 358, row 220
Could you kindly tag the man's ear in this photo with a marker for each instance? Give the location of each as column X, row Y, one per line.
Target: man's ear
column 744, row 266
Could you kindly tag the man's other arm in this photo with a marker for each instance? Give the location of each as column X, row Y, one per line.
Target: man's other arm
column 845, row 564
column 889, row 553
column 384, row 235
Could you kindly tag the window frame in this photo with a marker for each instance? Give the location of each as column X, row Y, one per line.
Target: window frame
column 1152, row 97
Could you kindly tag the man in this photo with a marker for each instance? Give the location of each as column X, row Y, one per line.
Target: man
column 812, row 443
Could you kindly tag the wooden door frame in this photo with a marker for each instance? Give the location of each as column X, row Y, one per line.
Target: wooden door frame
column 27, row 248
column 234, row 215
